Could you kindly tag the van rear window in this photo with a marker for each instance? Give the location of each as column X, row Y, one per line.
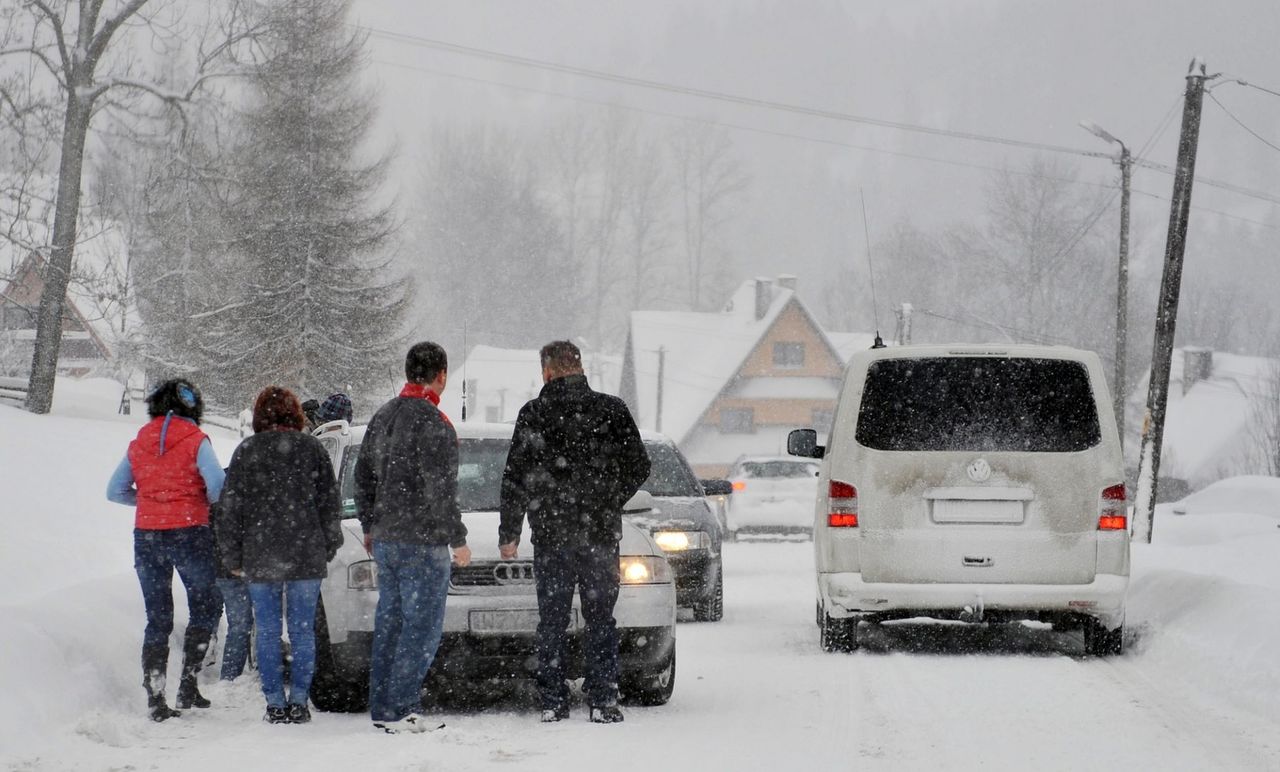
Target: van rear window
column 978, row 404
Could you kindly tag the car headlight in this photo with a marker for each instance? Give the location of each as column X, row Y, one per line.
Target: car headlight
column 644, row 569
column 362, row 575
column 680, row 541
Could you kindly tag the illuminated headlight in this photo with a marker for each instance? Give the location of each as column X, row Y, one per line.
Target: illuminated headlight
column 362, row 575
column 680, row 541
column 644, row 569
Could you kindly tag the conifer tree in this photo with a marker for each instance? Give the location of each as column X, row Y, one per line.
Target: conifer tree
column 320, row 303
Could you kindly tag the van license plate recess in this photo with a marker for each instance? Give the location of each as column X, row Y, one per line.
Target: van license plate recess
column 510, row 621
column 978, row 505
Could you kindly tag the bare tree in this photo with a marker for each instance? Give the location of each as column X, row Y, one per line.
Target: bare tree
column 709, row 176
column 73, row 41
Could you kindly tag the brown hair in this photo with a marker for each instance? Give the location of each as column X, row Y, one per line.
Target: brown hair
column 561, row 357
column 278, row 409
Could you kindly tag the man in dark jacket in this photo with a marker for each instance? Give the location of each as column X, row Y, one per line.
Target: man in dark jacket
column 576, row 458
column 406, row 497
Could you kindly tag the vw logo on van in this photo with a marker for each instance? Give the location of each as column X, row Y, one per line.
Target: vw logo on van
column 513, row 573
column 979, row 471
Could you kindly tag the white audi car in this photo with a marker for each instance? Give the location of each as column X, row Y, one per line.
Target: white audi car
column 492, row 612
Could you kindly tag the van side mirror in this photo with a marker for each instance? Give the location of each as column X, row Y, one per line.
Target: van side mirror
column 716, row 487
column 804, row 443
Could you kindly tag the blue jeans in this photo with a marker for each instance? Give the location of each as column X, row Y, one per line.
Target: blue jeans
column 235, row 598
column 413, row 583
column 155, row 556
column 593, row 569
column 300, row 598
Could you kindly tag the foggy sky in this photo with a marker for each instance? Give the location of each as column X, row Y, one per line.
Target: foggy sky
column 1023, row 70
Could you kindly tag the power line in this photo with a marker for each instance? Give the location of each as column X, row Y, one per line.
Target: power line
column 424, row 42
column 1242, row 125
column 838, row 143
column 737, row 126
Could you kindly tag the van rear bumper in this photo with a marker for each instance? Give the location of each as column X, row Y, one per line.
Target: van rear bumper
column 847, row 595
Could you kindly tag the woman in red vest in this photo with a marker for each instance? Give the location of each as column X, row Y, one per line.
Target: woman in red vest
column 171, row 475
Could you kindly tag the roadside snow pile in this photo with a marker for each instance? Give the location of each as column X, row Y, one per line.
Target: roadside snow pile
column 68, row 595
column 1206, row 592
column 1248, row 494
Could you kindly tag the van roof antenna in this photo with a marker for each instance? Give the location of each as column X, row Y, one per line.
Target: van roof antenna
column 875, row 305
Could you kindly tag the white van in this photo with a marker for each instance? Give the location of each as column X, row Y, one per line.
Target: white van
column 981, row 483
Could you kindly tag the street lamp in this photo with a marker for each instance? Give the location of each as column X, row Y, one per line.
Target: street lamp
column 1122, row 281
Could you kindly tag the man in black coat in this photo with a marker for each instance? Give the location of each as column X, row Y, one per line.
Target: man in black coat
column 406, row 480
column 576, row 458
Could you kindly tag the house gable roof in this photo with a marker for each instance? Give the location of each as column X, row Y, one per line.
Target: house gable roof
column 702, row 354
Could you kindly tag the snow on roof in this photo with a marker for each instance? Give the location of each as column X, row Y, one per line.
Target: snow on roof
column 702, row 352
column 847, row 344
column 519, row 373
column 1206, row 430
column 100, row 286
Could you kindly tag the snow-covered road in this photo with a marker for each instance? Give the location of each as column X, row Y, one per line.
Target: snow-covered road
column 1198, row 689
column 754, row 693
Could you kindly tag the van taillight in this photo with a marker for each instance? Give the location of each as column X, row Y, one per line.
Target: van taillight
column 1113, row 515
column 843, row 505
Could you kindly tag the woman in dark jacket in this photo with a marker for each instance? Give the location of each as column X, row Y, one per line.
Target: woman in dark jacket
column 278, row 526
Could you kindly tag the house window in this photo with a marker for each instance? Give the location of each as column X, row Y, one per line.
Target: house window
column 821, row 419
column 788, row 356
column 737, row 420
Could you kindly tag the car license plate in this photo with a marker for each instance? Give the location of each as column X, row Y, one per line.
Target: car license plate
column 974, row 511
column 510, row 621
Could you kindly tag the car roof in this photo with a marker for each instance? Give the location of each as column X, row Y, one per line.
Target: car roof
column 470, row 430
column 1012, row 350
column 767, row 459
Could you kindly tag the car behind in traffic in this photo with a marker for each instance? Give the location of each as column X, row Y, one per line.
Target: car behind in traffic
column 772, row 494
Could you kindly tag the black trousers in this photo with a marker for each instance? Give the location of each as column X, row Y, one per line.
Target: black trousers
column 593, row 570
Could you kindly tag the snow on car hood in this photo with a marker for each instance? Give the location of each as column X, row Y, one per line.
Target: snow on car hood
column 482, row 537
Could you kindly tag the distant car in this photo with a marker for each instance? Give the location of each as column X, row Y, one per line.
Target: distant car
column 492, row 612
column 772, row 494
column 686, row 527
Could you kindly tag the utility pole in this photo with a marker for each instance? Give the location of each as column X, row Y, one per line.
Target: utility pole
column 1119, row 381
column 904, row 324
column 662, row 362
column 1167, row 307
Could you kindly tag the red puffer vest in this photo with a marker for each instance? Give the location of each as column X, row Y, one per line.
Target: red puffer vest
column 171, row 492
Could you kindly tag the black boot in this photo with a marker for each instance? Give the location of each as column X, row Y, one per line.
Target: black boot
column 194, row 645
column 155, row 662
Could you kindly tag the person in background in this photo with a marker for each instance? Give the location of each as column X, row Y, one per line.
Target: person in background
column 576, row 458
column 235, row 599
column 309, row 409
column 334, row 408
column 278, row 527
column 406, row 480
column 171, row 475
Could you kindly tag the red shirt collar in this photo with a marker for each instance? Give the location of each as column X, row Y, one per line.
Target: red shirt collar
column 421, row 391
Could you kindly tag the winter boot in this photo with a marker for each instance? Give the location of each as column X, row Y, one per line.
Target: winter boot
column 155, row 662
column 194, row 645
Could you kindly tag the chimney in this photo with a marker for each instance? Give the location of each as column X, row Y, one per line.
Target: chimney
column 1197, row 365
column 787, row 281
column 764, row 297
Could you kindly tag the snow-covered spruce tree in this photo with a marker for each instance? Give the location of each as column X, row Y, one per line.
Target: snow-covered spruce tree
column 321, row 304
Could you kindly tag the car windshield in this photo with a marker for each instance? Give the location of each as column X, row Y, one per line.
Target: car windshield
column 776, row 469
column 978, row 404
column 480, row 465
column 669, row 473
